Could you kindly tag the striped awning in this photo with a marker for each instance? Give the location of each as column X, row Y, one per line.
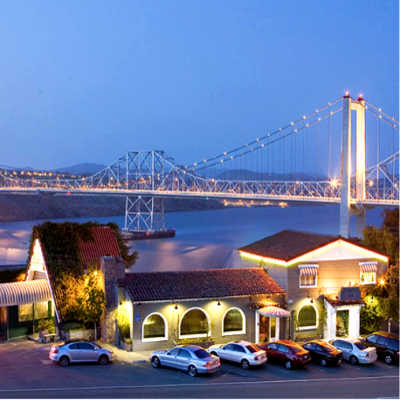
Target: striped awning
column 309, row 269
column 273, row 311
column 25, row 292
column 368, row 267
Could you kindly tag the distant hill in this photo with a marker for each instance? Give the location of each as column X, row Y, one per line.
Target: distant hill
column 81, row 169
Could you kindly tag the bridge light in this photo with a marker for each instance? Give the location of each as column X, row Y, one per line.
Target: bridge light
column 371, row 182
column 346, row 93
column 334, row 182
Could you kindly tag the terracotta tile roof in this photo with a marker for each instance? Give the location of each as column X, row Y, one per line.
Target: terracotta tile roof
column 288, row 244
column 211, row 283
column 104, row 244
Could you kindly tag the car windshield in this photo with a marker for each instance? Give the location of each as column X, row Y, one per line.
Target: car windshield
column 295, row 349
column 360, row 345
column 200, row 353
column 252, row 348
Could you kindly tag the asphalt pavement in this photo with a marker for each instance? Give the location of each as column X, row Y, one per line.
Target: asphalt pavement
column 26, row 372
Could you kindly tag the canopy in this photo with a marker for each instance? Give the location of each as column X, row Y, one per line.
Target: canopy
column 273, row 311
column 311, row 269
column 368, row 267
column 25, row 292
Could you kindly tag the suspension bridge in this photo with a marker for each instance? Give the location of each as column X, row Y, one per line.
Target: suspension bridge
column 346, row 152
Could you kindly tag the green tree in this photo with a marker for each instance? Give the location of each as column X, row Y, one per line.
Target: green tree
column 91, row 300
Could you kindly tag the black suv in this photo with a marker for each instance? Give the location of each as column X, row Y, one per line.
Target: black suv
column 386, row 344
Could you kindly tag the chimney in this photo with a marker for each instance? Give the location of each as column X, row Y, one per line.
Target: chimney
column 113, row 270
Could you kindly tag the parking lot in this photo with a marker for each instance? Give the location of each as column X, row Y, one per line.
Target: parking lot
column 26, row 371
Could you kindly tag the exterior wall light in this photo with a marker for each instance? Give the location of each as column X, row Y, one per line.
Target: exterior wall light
column 176, row 307
column 219, row 303
column 381, row 281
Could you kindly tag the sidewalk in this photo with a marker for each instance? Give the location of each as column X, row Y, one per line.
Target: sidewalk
column 127, row 356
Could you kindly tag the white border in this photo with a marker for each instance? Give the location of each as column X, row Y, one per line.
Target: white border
column 376, row 272
column 242, row 331
column 196, row 334
column 310, row 327
column 156, row 339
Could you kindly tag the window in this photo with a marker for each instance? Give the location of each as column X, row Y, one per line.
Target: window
column 372, row 338
column 368, row 278
column 85, row 346
column 238, row 348
column 73, row 346
column 174, row 352
column 154, row 328
column 233, row 322
column 368, row 272
column 41, row 310
column 252, row 348
column 308, row 276
column 200, row 353
column 194, row 323
column 184, row 354
column 228, row 347
column 282, row 348
column 307, row 317
column 273, row 346
column 25, row 312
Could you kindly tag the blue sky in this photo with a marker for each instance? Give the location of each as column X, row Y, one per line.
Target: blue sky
column 86, row 81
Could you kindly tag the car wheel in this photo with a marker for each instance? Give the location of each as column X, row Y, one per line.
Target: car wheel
column 288, row 364
column 103, row 360
column 64, row 361
column 192, row 371
column 388, row 359
column 245, row 364
column 353, row 360
column 322, row 362
column 155, row 362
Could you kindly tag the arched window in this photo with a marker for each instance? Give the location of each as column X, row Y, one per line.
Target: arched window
column 194, row 323
column 154, row 328
column 234, row 322
column 307, row 317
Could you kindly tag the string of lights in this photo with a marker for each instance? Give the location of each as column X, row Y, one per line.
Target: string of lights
column 196, row 165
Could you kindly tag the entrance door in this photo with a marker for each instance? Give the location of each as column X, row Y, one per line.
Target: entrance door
column 263, row 329
column 3, row 323
column 342, row 323
column 268, row 329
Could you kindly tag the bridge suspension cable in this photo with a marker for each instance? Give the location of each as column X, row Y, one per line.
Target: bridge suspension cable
column 231, row 154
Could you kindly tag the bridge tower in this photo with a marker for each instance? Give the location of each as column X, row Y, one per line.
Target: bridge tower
column 353, row 190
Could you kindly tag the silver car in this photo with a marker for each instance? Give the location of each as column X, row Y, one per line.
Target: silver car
column 79, row 351
column 245, row 353
column 354, row 351
column 193, row 359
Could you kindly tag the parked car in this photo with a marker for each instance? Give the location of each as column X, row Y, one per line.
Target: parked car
column 287, row 352
column 79, row 351
column 324, row 353
column 193, row 359
column 355, row 351
column 245, row 353
column 386, row 344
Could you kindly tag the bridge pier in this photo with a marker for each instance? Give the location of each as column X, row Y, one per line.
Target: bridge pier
column 144, row 214
column 360, row 222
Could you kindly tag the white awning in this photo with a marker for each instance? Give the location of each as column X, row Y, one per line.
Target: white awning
column 369, row 266
column 25, row 292
column 311, row 269
column 273, row 311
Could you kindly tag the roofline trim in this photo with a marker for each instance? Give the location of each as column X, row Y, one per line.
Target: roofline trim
column 303, row 257
column 198, row 298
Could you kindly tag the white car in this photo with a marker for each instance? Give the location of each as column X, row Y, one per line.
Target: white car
column 245, row 353
column 354, row 351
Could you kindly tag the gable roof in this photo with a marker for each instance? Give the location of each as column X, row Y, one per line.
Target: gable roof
column 104, row 244
column 195, row 284
column 288, row 245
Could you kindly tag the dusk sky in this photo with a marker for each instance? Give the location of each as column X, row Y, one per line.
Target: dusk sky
column 86, row 81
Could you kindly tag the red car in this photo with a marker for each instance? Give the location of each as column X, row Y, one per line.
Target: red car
column 288, row 353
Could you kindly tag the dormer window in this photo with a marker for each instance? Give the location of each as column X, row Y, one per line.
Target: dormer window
column 308, row 276
column 368, row 272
